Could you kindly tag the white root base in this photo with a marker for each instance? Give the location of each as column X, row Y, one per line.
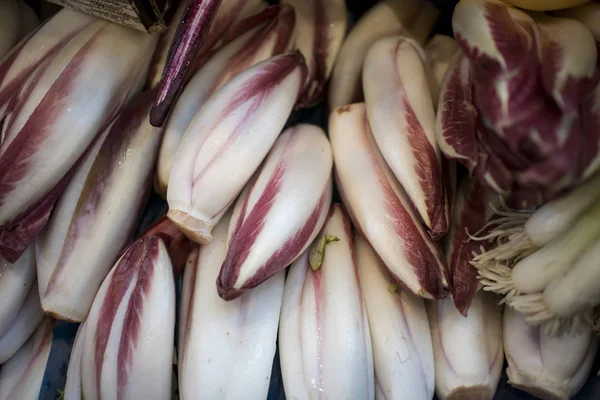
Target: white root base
column 495, row 266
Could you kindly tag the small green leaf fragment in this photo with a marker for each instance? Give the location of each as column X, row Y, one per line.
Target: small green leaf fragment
column 317, row 253
column 61, row 394
column 393, row 288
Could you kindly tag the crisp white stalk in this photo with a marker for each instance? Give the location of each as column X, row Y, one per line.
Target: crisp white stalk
column 380, row 208
column 578, row 289
column 557, row 216
column 39, row 150
column 73, row 386
column 324, row 339
column 227, row 140
column 534, row 272
column 321, row 29
column 128, row 342
column 16, row 281
column 382, row 20
column 228, row 346
column 22, row 326
column 468, row 350
column 402, row 117
column 10, row 25
column 441, row 52
column 402, row 348
column 21, row 377
column 98, row 213
column 280, row 211
column 546, row 366
column 270, row 38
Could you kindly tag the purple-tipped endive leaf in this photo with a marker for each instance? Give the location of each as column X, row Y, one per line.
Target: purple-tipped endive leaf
column 97, row 213
column 402, row 349
column 201, row 26
column 402, row 117
column 519, row 132
column 21, row 377
column 324, row 339
column 551, row 367
column 380, row 208
column 73, row 385
column 228, row 347
column 128, row 342
column 320, row 32
column 456, row 117
column 468, row 350
column 218, row 30
column 228, row 139
column 43, row 45
column 568, row 60
column 81, row 87
column 469, row 217
column 22, row 326
column 16, row 280
column 192, row 30
column 441, row 52
column 178, row 245
column 280, row 211
column 382, row 20
column 272, row 37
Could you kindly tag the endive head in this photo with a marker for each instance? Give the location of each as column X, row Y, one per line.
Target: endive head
column 553, row 367
column 280, row 211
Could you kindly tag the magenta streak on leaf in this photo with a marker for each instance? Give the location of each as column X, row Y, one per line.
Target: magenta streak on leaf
column 48, row 326
column 267, row 15
column 266, row 18
column 313, row 90
column 16, row 235
column 590, row 120
column 427, row 267
column 178, row 245
column 248, row 227
column 132, row 319
column 138, row 256
column 574, row 88
column 289, row 251
column 224, row 19
column 193, row 28
column 245, row 56
column 427, row 168
column 565, row 161
column 9, row 90
column 282, row 27
column 256, row 90
column 99, row 178
column 15, row 158
column 471, row 218
column 459, row 118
